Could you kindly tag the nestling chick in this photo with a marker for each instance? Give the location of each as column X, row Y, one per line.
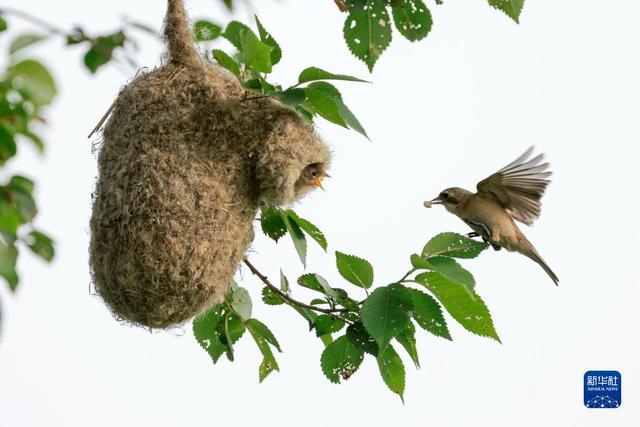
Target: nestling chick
column 311, row 176
column 512, row 193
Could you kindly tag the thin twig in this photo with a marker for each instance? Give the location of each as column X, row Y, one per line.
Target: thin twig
column 104, row 117
column 287, row 298
column 34, row 20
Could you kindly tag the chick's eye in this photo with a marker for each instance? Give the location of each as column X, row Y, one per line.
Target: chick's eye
column 314, row 173
column 444, row 195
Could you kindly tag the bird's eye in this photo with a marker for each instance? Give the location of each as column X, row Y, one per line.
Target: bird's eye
column 314, row 173
column 445, row 196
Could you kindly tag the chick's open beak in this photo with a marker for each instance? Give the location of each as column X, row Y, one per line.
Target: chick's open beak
column 317, row 181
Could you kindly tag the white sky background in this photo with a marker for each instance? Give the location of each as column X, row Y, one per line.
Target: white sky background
column 446, row 111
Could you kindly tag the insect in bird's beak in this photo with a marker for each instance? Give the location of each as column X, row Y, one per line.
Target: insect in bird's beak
column 317, row 181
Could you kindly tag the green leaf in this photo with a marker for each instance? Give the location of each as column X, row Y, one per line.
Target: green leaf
column 453, row 271
column 453, row 245
column 225, row 61
column 412, row 19
column 266, row 38
column 34, row 80
column 41, row 245
column 8, row 147
column 284, row 283
column 20, row 189
column 306, row 226
column 205, row 30
column 291, row 97
column 241, row 303
column 8, row 257
column 327, row 324
column 270, row 297
column 317, row 283
column 230, row 331
column 311, row 74
column 234, row 32
column 205, row 332
column 228, row 3
column 297, row 236
column 355, row 270
column 3, row 24
column 263, row 337
column 367, row 30
column 272, row 223
column 469, row 310
column 262, row 329
column 385, row 313
column 419, row 263
column 510, row 7
column 428, row 314
column 359, row 337
column 10, row 218
column 23, row 41
column 256, row 54
column 341, row 359
column 325, row 93
column 392, row 370
column 101, row 50
column 324, row 105
column 407, row 338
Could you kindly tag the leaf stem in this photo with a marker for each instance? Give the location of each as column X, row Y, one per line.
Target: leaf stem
column 287, row 298
column 409, row 273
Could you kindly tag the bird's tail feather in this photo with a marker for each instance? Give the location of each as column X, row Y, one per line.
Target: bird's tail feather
column 534, row 255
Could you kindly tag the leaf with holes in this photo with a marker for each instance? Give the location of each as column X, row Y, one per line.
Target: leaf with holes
column 412, row 18
column 341, row 359
column 205, row 332
column 327, row 324
column 407, row 338
column 385, row 313
column 272, row 223
column 453, row 245
column 263, row 338
column 470, row 311
column 392, row 370
column 367, row 30
column 355, row 270
column 270, row 297
column 511, row 8
column 359, row 337
column 428, row 314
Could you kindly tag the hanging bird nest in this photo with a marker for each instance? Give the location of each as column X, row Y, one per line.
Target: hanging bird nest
column 184, row 165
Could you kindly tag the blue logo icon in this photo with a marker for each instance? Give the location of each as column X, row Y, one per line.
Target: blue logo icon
column 602, row 389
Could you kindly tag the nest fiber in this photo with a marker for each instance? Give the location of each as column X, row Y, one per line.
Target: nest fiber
column 185, row 163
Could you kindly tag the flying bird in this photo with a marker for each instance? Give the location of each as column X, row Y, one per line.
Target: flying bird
column 511, row 194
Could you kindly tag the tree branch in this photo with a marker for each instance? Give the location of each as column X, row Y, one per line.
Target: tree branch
column 287, row 298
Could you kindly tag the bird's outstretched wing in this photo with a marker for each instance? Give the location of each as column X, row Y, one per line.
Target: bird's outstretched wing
column 519, row 186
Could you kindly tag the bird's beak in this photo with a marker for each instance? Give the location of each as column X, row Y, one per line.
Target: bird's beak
column 317, row 181
column 436, row 201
